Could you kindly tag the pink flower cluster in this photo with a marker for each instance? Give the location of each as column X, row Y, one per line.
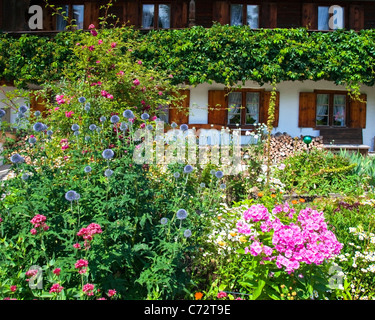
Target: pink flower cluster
column 56, row 288
column 38, row 223
column 87, row 234
column 31, row 273
column 105, row 94
column 64, row 144
column 60, row 99
column 306, row 240
column 88, row 288
column 81, row 265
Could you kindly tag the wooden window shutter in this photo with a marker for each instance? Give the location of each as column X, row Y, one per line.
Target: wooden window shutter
column 91, row 15
column 264, row 106
column 217, row 107
column 357, row 112
column 180, row 113
column 310, row 16
column 221, row 12
column 307, row 110
column 356, row 17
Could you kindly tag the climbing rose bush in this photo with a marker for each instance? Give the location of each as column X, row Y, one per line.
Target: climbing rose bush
column 287, row 238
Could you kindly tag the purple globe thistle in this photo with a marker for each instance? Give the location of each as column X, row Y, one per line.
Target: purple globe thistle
column 32, row 140
column 37, row 113
column 219, row 174
column 92, row 127
column 76, row 133
column 87, row 107
column 108, row 154
column 149, row 127
column 188, row 168
column 75, row 127
column 176, row 175
column 181, row 214
column 102, row 119
column 115, row 119
column 2, row 113
column 87, row 138
column 49, row 133
column 202, row 185
column 23, row 109
column 87, row 169
column 38, row 127
column 123, row 126
column 174, row 125
column 71, row 195
column 16, row 158
column 223, row 186
column 25, row 176
column 164, row 221
column 128, row 114
column 145, row 116
column 82, row 99
column 187, row 233
column 108, row 173
column 184, row 127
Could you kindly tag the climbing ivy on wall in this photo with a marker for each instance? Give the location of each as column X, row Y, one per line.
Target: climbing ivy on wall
column 224, row 54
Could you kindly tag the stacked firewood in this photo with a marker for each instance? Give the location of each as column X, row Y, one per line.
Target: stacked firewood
column 283, row 145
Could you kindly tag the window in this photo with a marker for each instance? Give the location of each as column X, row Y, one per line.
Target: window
column 242, row 107
column 330, row 18
column 243, row 116
column 70, row 14
column 156, row 16
column 244, row 15
column 331, row 109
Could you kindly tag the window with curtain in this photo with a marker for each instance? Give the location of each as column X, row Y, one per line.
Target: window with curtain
column 234, row 107
column 331, row 109
column 252, row 107
column 70, row 14
column 330, row 18
column 244, row 15
column 156, row 16
column 243, row 107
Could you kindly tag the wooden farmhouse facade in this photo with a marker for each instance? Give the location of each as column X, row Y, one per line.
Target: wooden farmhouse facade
column 302, row 107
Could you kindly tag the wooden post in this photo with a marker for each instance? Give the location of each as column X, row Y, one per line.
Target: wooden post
column 192, row 13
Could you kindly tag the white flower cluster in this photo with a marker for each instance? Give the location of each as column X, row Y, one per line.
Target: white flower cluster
column 224, row 235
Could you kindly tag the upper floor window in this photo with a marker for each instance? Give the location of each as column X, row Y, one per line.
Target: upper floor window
column 330, row 18
column 156, row 16
column 70, row 14
column 244, row 15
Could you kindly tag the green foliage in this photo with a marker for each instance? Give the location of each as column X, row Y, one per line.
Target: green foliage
column 319, row 172
column 224, row 54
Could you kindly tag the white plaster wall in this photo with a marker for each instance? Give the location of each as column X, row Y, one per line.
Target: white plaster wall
column 289, row 105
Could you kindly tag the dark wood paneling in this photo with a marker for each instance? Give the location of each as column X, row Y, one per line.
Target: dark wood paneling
column 356, row 17
column 220, row 12
column 309, row 16
column 289, row 15
column 203, row 13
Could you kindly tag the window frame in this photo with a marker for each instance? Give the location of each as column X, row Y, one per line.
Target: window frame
column 156, row 5
column 325, row 4
column 331, row 95
column 70, row 15
column 244, row 13
column 243, row 108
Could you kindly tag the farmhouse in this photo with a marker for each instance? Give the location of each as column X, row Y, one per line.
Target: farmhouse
column 308, row 102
